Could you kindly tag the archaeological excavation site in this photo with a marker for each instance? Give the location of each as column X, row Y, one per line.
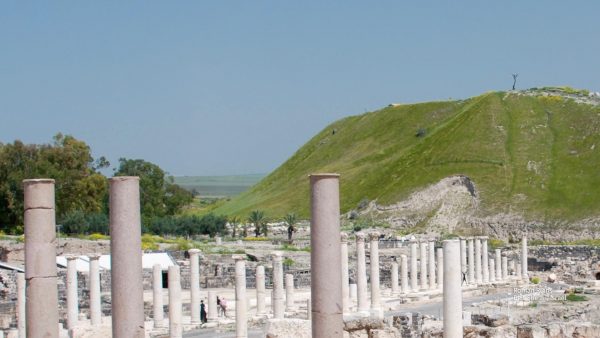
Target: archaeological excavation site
column 362, row 284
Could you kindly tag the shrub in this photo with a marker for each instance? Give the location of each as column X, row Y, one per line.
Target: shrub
column 576, row 298
column 495, row 243
column 97, row 237
column 256, row 239
column 535, row 280
column 288, row 262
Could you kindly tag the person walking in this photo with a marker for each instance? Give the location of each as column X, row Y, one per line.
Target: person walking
column 224, row 307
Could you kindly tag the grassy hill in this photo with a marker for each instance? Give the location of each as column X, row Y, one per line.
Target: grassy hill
column 218, row 186
column 536, row 153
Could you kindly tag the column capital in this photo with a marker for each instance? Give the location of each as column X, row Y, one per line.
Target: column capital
column 71, row 257
column 276, row 255
column 343, row 237
column 94, row 256
column 193, row 251
column 374, row 236
column 360, row 237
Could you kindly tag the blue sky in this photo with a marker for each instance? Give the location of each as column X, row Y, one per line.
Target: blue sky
column 234, row 87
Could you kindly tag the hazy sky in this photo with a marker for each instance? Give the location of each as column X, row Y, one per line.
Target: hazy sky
column 232, row 87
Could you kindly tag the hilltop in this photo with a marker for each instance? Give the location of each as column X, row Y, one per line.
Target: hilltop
column 530, row 155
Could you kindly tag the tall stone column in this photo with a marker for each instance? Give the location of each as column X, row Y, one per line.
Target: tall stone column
column 492, row 270
column 72, row 299
column 413, row 266
column 157, row 296
column 126, row 258
column 511, row 267
column 289, row 292
column 353, row 292
column 175, row 310
column 498, row 265
column 213, row 311
column 423, row 263
column 241, row 308
column 504, row 268
column 524, row 273
column 453, row 324
column 440, row 268
column 326, row 291
column 478, row 272
column 471, row 262
column 260, row 290
column 404, row 273
column 432, row 265
column 21, row 304
column 361, row 273
column 345, row 277
column 195, row 285
column 519, row 271
column 375, row 289
column 463, row 256
column 277, row 298
column 395, row 290
column 484, row 260
column 40, row 259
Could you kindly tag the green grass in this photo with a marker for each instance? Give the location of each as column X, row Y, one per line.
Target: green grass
column 576, row 298
column 538, row 156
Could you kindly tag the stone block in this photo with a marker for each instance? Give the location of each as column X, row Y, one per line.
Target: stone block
column 283, row 328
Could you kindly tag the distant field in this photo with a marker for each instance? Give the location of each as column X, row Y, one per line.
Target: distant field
column 219, row 186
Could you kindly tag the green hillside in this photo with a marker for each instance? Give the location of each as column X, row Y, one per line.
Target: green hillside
column 534, row 152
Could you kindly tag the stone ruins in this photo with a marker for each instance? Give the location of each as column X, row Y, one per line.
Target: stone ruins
column 359, row 285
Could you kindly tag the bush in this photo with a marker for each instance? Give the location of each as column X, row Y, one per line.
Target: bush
column 256, row 239
column 495, row 243
column 288, row 262
column 97, row 237
column 576, row 298
column 535, row 280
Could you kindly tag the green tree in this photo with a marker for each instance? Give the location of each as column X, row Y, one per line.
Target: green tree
column 234, row 222
column 257, row 218
column 67, row 160
column 290, row 220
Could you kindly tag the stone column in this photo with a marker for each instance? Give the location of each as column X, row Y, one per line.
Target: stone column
column 21, row 304
column 353, row 292
column 395, row 290
column 478, row 272
column 463, row 256
column 440, row 268
column 213, row 312
column 277, row 301
column 375, row 289
column 504, row 268
column 511, row 267
column 404, row 273
column 432, row 265
column 518, row 270
column 361, row 273
column 413, row 267
column 175, row 310
column 289, row 292
column 195, row 285
column 126, row 258
column 260, row 290
column 95, row 295
column 345, row 277
column 72, row 299
column 452, row 290
column 471, row 261
column 40, row 259
column 423, row 263
column 492, row 270
column 241, row 308
column 484, row 260
column 524, row 273
column 326, row 291
column 218, row 240
column 498, row 265
column 157, row 296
